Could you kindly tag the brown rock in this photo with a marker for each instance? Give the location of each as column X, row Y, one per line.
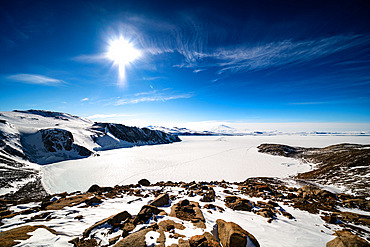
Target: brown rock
column 331, row 219
column 265, row 212
column 232, row 235
column 113, row 240
column 136, row 239
column 210, row 243
column 10, row 237
column 184, row 243
column 188, row 211
column 84, row 242
column 347, row 239
column 209, row 236
column 168, row 225
column 146, row 212
column 78, row 217
column 93, row 201
column 94, row 188
column 196, row 240
column 237, row 203
column 112, row 220
column 144, row 182
column 161, row 200
column 288, row 215
column 68, row 202
column 209, row 196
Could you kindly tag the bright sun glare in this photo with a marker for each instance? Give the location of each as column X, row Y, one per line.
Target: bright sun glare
column 122, row 53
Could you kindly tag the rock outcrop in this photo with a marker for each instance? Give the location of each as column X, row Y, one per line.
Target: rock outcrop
column 132, row 135
column 136, row 239
column 345, row 239
column 232, row 235
column 342, row 164
column 189, row 211
column 161, row 200
column 9, row 238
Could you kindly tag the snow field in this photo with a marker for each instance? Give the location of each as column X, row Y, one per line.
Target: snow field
column 196, row 158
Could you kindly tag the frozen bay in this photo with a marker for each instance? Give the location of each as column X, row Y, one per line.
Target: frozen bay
column 199, row 158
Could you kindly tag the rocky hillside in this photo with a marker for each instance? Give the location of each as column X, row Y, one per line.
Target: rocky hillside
column 41, row 137
column 344, row 165
column 256, row 212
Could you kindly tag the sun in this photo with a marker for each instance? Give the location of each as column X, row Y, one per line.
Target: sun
column 122, row 53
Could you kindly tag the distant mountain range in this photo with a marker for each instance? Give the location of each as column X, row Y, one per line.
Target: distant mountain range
column 224, row 130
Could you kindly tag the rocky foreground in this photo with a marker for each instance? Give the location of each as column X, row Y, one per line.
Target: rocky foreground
column 256, row 212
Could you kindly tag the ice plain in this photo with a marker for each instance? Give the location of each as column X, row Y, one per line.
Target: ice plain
column 196, row 158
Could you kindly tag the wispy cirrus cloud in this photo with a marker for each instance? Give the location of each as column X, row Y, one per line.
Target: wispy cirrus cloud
column 274, row 54
column 190, row 39
column 90, row 58
column 198, row 70
column 36, row 79
column 84, row 99
column 152, row 98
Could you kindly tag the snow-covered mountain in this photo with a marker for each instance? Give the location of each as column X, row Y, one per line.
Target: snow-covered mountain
column 45, row 137
column 41, row 137
column 226, row 130
column 180, row 131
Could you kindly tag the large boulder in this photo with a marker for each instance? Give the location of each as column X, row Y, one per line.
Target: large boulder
column 67, row 202
column 113, row 220
column 347, row 239
column 190, row 211
column 136, row 239
column 161, row 200
column 144, row 182
column 205, row 240
column 232, row 235
column 146, row 213
column 237, row 203
column 196, row 240
column 94, row 188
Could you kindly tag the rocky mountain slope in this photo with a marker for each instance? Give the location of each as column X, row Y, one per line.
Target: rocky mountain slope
column 344, row 165
column 256, row 212
column 32, row 137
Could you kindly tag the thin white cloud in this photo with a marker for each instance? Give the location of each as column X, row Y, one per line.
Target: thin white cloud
column 153, row 78
column 146, row 93
column 152, row 98
column 36, row 79
column 198, row 70
column 262, row 56
column 92, row 58
column 84, row 99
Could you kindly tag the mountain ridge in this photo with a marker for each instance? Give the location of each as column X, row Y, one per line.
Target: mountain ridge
column 38, row 137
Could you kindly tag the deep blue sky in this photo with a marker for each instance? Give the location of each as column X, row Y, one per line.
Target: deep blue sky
column 245, row 61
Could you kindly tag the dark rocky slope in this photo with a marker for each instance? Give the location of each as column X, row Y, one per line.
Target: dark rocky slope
column 345, row 164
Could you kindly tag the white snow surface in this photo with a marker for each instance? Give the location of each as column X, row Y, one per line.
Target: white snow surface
column 41, row 237
column 196, row 158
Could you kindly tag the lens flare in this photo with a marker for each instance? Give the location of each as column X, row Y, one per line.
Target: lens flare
column 122, row 53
